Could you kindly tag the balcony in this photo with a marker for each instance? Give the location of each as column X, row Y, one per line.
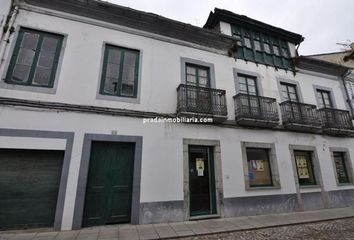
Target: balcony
column 256, row 111
column 300, row 117
column 336, row 122
column 201, row 102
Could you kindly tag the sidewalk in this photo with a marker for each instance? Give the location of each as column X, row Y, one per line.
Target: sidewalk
column 183, row 229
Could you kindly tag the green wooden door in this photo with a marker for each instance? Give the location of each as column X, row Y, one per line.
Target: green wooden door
column 109, row 185
column 29, row 185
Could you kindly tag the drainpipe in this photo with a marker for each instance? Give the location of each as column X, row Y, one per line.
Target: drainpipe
column 347, row 92
column 5, row 40
column 5, row 20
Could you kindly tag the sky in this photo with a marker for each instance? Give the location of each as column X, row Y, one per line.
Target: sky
column 323, row 23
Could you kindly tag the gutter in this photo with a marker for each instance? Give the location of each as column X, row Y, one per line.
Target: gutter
column 343, row 76
column 5, row 40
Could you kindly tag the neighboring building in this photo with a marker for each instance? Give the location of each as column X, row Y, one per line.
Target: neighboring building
column 346, row 59
column 80, row 80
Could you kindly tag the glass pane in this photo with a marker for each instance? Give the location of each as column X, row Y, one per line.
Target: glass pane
column 257, row 45
column 258, row 167
column 320, row 101
column 203, row 73
column 266, row 47
column 191, row 80
column 340, row 167
column 112, row 70
column 25, row 56
column 303, row 161
column 285, row 95
column 110, row 85
column 276, row 50
column 293, row 97
column 41, row 76
column 45, row 61
column 114, row 56
column 21, row 73
column 243, row 88
column 128, row 75
column 242, row 79
column 291, row 89
column 49, row 45
column 30, row 41
column 203, row 82
column 252, row 90
column 285, row 52
column 191, row 70
column 251, row 82
column 247, row 42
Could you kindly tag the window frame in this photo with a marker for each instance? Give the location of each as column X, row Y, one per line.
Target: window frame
column 311, row 164
column 106, row 47
column 273, row 165
column 347, row 162
column 288, row 85
column 254, row 78
column 250, row 53
column 317, row 89
column 197, row 68
column 15, row 52
column 315, row 164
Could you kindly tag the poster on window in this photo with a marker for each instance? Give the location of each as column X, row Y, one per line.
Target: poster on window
column 302, row 168
column 200, row 166
column 257, row 165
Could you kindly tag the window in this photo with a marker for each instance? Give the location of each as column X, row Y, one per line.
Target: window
column 289, row 92
column 248, row 84
column 35, row 58
column 120, row 72
column 197, row 75
column 341, row 168
column 259, row 169
column 324, row 99
column 304, row 167
column 261, row 47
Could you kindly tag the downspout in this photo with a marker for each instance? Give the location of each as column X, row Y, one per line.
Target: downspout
column 343, row 76
column 5, row 20
column 5, row 40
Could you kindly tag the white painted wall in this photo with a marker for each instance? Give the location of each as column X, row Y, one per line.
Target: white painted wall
column 32, row 143
column 79, row 73
column 4, row 11
column 162, row 163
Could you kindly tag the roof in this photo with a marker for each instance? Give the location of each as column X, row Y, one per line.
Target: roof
column 344, row 58
column 233, row 18
column 139, row 20
column 318, row 65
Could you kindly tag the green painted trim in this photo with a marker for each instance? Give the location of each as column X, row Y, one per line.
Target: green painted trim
column 122, row 50
column 212, row 180
column 29, row 81
column 250, row 54
column 212, row 185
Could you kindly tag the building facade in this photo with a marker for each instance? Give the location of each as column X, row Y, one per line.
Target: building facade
column 85, row 86
column 346, row 59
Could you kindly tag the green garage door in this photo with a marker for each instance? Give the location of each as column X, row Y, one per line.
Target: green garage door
column 109, row 185
column 29, row 184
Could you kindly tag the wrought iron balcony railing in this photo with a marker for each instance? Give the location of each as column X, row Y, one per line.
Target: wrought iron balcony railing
column 299, row 113
column 255, row 107
column 201, row 100
column 335, row 118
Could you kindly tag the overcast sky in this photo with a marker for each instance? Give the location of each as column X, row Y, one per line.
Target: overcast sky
column 323, row 23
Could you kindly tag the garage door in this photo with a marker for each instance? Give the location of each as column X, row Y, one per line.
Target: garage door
column 29, row 184
column 109, row 186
